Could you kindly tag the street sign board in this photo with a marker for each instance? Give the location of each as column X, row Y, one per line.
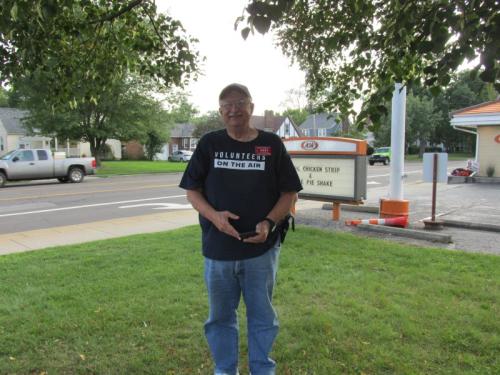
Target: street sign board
column 442, row 165
column 330, row 168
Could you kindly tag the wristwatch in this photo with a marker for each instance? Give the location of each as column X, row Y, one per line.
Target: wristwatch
column 272, row 224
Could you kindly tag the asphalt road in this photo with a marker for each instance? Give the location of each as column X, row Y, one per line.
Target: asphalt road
column 48, row 203
column 37, row 205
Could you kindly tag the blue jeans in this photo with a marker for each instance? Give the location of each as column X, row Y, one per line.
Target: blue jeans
column 226, row 281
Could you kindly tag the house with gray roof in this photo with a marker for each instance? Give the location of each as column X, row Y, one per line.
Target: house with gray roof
column 323, row 125
column 181, row 138
column 280, row 125
column 13, row 134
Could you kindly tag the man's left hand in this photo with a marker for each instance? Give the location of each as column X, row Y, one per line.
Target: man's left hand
column 262, row 230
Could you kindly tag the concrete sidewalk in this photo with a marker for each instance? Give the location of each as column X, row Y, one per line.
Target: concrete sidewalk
column 105, row 229
column 98, row 230
column 464, row 204
column 472, row 212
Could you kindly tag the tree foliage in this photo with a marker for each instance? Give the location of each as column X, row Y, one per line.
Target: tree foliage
column 428, row 116
column 207, row 123
column 124, row 112
column 298, row 116
column 74, row 59
column 352, row 49
column 4, row 97
column 296, row 98
column 155, row 139
column 179, row 108
column 69, row 43
column 421, row 120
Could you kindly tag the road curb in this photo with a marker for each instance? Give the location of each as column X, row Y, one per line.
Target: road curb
column 471, row 225
column 352, row 208
column 411, row 233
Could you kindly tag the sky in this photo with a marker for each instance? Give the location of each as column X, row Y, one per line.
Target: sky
column 255, row 62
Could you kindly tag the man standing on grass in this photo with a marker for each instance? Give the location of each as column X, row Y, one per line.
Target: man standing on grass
column 242, row 182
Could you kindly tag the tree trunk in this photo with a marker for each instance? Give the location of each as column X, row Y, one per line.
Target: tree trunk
column 421, row 150
column 96, row 146
column 95, row 154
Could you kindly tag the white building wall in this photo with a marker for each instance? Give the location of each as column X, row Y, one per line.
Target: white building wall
column 3, row 140
column 116, row 147
column 114, row 144
column 286, row 130
column 163, row 154
column 489, row 149
column 12, row 142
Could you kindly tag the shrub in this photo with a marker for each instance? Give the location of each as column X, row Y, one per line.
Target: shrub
column 490, row 171
column 413, row 150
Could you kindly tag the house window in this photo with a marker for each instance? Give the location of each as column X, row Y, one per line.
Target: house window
column 185, row 143
column 1, row 144
column 306, row 132
column 321, row 132
column 287, row 129
column 194, row 142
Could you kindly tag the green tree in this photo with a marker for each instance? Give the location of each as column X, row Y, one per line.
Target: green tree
column 152, row 126
column 353, row 49
column 421, row 120
column 297, row 115
column 4, row 97
column 465, row 90
column 68, row 42
column 382, row 133
column 125, row 113
column 428, row 116
column 154, row 143
column 207, row 123
column 74, row 59
column 179, row 108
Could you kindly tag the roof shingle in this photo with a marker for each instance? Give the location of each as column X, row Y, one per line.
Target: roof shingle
column 11, row 119
column 488, row 107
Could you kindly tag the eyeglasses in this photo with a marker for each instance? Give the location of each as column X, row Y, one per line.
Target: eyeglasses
column 239, row 104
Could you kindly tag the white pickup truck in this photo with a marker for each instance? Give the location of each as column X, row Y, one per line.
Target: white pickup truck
column 40, row 164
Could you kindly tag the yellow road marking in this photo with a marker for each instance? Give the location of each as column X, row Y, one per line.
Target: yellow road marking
column 87, row 192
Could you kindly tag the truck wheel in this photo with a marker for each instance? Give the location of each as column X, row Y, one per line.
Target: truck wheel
column 386, row 161
column 3, row 178
column 76, row 174
column 371, row 162
column 63, row 180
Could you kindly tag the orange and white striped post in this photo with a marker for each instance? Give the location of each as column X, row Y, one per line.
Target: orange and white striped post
column 401, row 221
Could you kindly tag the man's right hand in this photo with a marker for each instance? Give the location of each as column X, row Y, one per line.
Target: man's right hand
column 221, row 221
column 218, row 218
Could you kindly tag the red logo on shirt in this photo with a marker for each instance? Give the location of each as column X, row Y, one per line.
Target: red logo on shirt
column 263, row 150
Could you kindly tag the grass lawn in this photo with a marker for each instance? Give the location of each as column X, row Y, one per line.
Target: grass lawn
column 456, row 156
column 139, row 166
column 347, row 305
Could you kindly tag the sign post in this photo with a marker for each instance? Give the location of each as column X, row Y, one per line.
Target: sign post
column 331, row 169
column 435, row 171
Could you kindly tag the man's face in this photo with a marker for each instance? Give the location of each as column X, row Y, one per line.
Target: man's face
column 236, row 110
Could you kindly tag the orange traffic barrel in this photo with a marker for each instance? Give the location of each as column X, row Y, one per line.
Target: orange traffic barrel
column 394, row 207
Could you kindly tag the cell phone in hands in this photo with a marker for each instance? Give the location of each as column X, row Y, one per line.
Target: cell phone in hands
column 244, row 235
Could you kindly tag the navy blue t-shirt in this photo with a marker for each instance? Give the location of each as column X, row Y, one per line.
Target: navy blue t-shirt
column 245, row 178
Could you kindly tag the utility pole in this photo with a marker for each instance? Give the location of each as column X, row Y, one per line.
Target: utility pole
column 396, row 205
